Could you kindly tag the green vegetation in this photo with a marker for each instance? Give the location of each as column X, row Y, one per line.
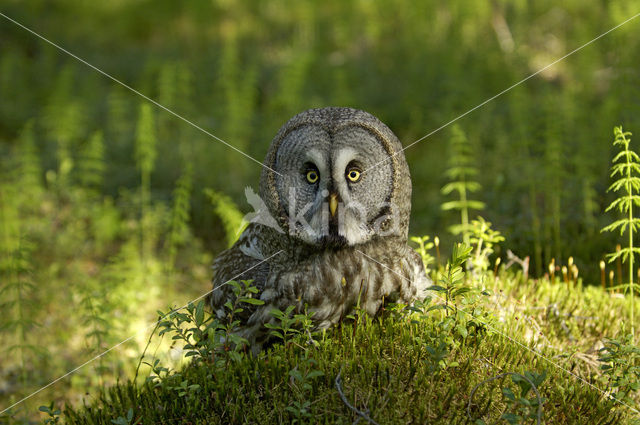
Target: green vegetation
column 627, row 166
column 417, row 364
column 461, row 172
column 112, row 209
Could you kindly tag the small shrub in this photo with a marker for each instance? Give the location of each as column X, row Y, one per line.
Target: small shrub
column 520, row 406
column 203, row 335
column 621, row 367
column 424, row 246
column 52, row 413
column 483, row 239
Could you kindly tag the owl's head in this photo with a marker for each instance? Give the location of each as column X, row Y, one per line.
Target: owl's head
column 340, row 178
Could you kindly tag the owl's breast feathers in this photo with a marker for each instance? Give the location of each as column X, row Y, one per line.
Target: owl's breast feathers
column 328, row 283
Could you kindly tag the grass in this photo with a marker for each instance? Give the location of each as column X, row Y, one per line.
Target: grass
column 405, row 367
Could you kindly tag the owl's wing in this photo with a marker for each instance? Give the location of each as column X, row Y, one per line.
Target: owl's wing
column 419, row 281
column 243, row 261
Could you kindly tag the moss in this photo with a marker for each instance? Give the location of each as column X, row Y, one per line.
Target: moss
column 403, row 367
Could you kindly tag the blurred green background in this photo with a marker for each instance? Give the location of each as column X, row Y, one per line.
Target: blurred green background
column 103, row 209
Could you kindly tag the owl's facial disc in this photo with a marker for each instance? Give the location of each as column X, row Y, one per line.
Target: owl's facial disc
column 328, row 198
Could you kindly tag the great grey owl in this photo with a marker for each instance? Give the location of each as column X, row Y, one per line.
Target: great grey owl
column 337, row 188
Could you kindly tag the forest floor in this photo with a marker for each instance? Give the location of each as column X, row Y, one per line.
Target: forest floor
column 506, row 347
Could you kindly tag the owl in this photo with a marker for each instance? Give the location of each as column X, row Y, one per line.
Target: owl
column 337, row 195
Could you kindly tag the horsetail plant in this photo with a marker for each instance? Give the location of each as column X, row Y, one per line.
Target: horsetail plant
column 626, row 165
column 180, row 214
column 145, row 155
column 461, row 172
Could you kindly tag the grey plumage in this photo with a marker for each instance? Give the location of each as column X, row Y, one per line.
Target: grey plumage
column 342, row 199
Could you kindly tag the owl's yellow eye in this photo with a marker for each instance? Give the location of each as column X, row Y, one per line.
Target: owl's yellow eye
column 312, row 176
column 353, row 175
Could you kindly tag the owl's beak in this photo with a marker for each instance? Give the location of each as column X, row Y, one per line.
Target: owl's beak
column 333, row 204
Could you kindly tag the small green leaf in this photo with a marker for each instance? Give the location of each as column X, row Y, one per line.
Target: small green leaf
column 509, row 394
column 252, row 301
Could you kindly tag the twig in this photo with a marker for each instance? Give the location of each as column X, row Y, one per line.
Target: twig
column 502, row 375
column 362, row 414
column 144, row 352
column 512, row 258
